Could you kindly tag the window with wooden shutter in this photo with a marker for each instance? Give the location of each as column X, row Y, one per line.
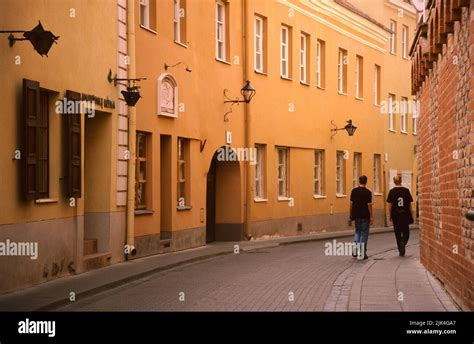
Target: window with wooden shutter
column 31, row 105
column 73, row 148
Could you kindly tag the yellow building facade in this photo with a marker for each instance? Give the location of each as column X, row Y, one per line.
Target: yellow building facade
column 240, row 132
column 399, row 107
column 59, row 132
column 314, row 65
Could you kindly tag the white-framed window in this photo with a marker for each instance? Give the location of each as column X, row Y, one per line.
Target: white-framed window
column 318, row 63
column 258, row 44
column 356, row 169
column 406, row 179
column 377, row 169
column 303, row 58
column 403, row 114
column 318, row 176
column 393, row 37
column 377, row 85
column 259, row 172
column 221, row 31
column 415, row 118
column 282, row 172
column 177, row 21
column 391, row 119
column 404, row 41
column 342, row 71
column 340, row 173
column 359, row 77
column 391, row 173
column 145, row 13
column 284, row 48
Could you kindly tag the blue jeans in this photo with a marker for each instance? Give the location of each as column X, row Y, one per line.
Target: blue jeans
column 361, row 233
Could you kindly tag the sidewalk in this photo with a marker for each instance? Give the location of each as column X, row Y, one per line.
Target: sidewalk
column 388, row 282
column 56, row 293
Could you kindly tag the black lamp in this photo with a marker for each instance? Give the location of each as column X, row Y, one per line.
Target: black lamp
column 349, row 127
column 131, row 94
column 248, row 92
column 40, row 39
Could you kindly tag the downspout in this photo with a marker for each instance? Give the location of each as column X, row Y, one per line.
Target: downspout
column 247, row 185
column 130, row 230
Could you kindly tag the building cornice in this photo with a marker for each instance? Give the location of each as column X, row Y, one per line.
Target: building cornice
column 317, row 10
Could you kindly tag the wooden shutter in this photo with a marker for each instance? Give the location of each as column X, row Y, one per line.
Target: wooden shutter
column 42, row 164
column 31, row 108
column 73, row 143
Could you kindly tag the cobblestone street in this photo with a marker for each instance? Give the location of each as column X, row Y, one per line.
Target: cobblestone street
column 297, row 277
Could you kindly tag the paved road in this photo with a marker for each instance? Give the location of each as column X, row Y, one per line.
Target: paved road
column 297, row 277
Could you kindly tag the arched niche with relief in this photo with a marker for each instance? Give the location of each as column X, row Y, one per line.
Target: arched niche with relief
column 167, row 96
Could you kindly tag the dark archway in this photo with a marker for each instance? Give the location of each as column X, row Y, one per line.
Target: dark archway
column 224, row 201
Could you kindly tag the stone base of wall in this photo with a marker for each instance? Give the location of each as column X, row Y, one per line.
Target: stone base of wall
column 57, row 252
column 60, row 249
column 170, row 241
column 301, row 225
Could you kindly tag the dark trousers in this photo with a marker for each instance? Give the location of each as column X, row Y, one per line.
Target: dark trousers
column 402, row 232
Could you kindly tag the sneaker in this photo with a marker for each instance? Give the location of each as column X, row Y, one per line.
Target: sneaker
column 402, row 253
column 366, row 257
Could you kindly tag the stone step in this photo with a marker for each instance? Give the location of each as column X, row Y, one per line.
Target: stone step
column 96, row 261
column 90, row 247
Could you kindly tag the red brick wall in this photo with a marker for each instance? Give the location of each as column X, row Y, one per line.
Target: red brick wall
column 446, row 131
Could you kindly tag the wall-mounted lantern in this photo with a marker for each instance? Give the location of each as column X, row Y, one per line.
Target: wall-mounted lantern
column 189, row 70
column 349, row 127
column 247, row 92
column 132, row 94
column 40, row 39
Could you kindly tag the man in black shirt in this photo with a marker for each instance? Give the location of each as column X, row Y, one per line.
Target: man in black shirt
column 399, row 204
column 361, row 213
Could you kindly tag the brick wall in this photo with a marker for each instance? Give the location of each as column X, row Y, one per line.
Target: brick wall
column 446, row 162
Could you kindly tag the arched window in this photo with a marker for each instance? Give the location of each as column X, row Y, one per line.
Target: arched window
column 167, row 96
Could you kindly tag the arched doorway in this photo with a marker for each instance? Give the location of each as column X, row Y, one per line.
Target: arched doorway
column 224, row 201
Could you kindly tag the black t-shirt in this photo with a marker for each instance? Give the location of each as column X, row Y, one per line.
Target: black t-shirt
column 400, row 198
column 361, row 197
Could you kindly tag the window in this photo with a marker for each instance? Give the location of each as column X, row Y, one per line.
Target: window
column 403, row 114
column 285, row 47
column 318, row 178
column 359, row 77
column 282, row 172
column 377, row 170
column 35, row 148
column 180, row 21
column 340, row 173
column 320, row 64
column 406, row 179
column 393, row 37
column 183, row 172
column 304, row 40
column 147, row 14
column 356, row 169
column 415, row 118
column 221, row 30
column 342, row 71
column 377, row 85
column 260, row 41
column 260, row 172
column 404, row 41
column 141, row 171
column 391, row 99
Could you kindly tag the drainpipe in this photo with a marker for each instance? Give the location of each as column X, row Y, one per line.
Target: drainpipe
column 247, row 184
column 130, row 231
